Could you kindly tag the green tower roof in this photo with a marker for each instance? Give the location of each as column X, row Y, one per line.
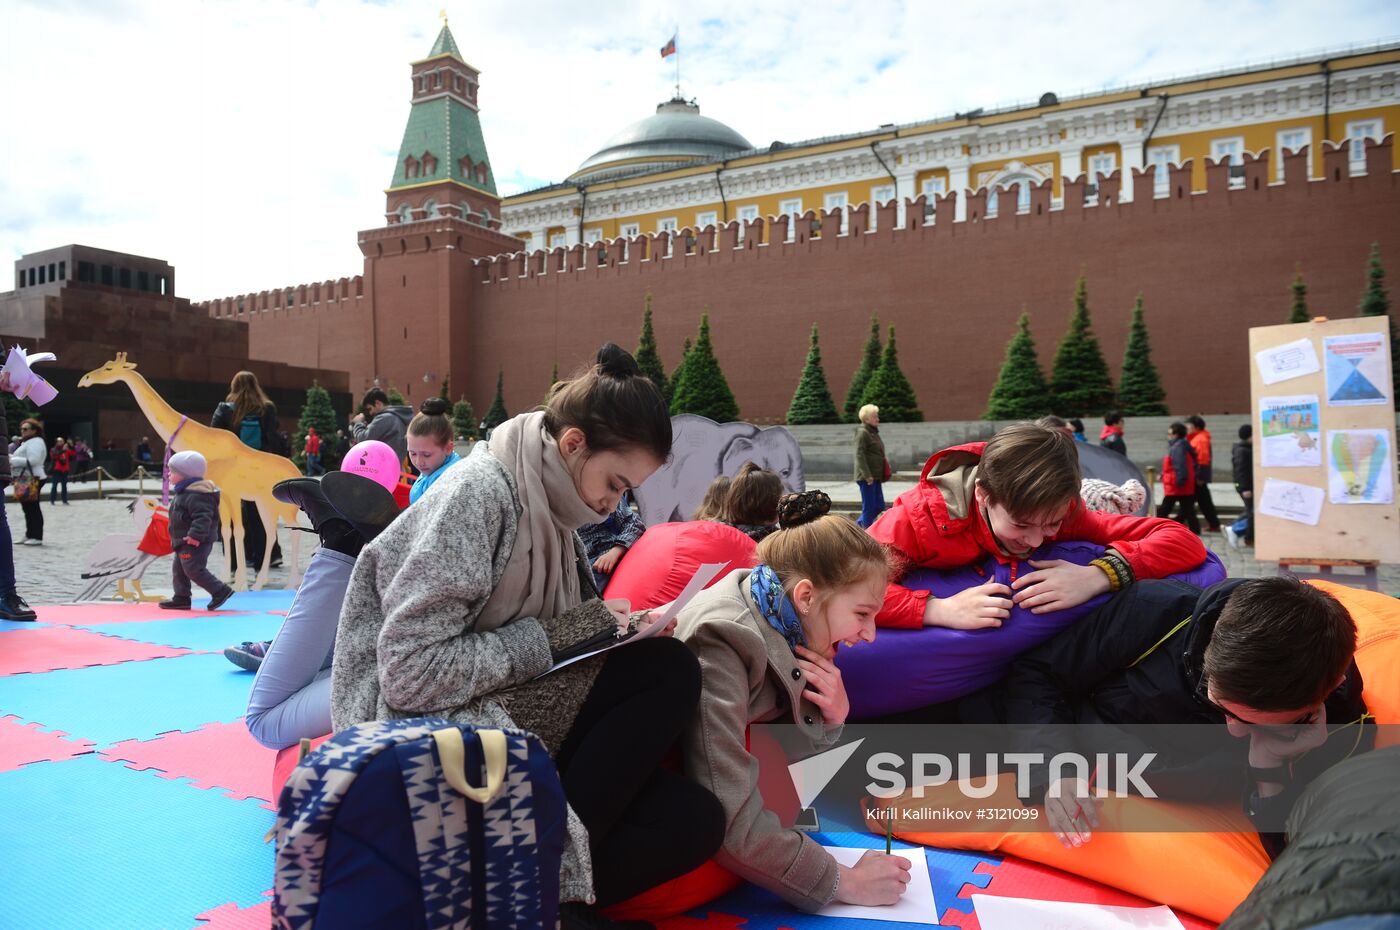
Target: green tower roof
column 446, row 45
column 447, row 129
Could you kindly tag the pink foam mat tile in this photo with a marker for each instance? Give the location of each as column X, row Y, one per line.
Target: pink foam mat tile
column 57, row 647
column 232, row 917
column 99, row 614
column 217, row 756
column 22, row 743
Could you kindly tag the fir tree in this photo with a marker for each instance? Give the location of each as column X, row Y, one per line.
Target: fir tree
column 889, row 390
column 1376, row 302
column 317, row 412
column 701, row 388
column 812, row 402
column 1298, row 313
column 1140, row 391
column 670, row 390
column 16, row 412
column 395, row 398
column 1020, row 392
column 648, row 360
column 497, row 414
column 1080, row 385
column 464, row 420
column 869, row 361
column 443, row 391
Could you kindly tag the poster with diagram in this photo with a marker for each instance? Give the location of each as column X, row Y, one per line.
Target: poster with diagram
column 1358, row 466
column 1357, row 373
column 1289, row 434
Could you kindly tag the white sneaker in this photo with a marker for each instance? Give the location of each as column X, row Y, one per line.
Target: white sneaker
column 33, row 542
column 1231, row 536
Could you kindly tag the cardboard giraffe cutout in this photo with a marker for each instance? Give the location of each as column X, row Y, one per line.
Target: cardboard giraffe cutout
column 242, row 473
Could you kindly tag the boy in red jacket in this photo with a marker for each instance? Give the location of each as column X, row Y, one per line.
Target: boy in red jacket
column 1006, row 498
column 1179, row 471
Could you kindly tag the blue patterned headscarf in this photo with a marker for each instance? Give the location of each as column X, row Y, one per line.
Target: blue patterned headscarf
column 773, row 603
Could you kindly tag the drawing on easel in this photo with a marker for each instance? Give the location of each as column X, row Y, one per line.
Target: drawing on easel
column 1358, row 466
column 1288, row 431
column 1356, row 370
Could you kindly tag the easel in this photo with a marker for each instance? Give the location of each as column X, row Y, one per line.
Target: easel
column 1369, row 578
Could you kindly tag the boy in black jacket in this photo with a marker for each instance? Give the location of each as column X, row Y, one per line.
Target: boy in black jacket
column 194, row 526
column 1270, row 658
column 1242, row 466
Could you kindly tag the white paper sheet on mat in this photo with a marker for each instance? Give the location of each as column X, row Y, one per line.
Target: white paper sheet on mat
column 915, row 907
column 998, row 913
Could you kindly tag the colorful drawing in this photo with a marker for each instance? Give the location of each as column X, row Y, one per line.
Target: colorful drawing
column 1288, row 434
column 1359, row 466
column 1357, row 374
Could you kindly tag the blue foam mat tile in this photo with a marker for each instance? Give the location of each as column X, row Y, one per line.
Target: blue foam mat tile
column 208, row 634
column 94, row 844
column 950, row 870
column 132, row 700
column 22, row 625
column 271, row 599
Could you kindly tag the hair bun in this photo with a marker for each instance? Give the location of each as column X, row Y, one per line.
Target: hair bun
column 616, row 362
column 797, row 509
column 434, row 407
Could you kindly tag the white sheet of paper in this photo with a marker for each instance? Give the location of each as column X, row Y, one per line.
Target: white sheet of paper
column 915, row 907
column 998, row 913
column 1290, row 360
column 1288, row 500
column 703, row 575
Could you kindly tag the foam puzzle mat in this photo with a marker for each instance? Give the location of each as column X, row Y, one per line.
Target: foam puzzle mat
column 135, row 797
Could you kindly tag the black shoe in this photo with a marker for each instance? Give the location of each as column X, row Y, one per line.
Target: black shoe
column 306, row 494
column 13, row 607
column 175, row 603
column 574, row 915
column 218, row 600
column 365, row 503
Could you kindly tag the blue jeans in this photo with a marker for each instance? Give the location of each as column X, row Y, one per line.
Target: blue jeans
column 291, row 696
column 55, row 480
column 872, row 502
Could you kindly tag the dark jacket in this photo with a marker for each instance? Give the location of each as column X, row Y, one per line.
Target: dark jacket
column 1343, row 855
column 194, row 512
column 1139, row 659
column 271, row 440
column 870, row 454
column 1179, row 469
column 389, row 426
column 621, row 528
column 1242, row 464
column 1112, row 438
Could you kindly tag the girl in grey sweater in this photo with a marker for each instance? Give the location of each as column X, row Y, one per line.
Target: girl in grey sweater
column 472, row 594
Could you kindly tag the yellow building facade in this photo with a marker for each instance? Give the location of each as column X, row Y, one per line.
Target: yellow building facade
column 679, row 170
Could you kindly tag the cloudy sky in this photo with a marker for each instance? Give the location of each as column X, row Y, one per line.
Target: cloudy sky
column 245, row 141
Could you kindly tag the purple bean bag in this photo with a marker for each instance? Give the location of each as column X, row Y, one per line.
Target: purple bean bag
column 908, row 669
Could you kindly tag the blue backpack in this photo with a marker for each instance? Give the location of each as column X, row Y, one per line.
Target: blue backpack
column 384, row 826
column 250, row 431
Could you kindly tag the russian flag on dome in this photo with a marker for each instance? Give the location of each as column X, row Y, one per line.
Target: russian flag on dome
column 669, row 48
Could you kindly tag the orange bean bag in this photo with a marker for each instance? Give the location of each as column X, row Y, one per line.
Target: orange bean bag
column 1205, row 873
column 659, row 565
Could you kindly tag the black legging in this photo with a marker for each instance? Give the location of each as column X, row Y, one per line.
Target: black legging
column 646, row 825
column 34, row 515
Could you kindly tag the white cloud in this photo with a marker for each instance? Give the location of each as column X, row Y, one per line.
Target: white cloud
column 246, row 141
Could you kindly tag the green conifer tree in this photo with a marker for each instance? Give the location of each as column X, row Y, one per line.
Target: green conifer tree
column 648, row 360
column 812, row 401
column 889, row 390
column 1298, row 313
column 396, row 398
column 464, row 420
column 1080, row 385
column 497, row 415
column 1376, row 302
column 443, row 391
column 701, row 388
column 317, row 412
column 869, row 361
column 1020, row 392
column 670, row 390
column 1140, row 392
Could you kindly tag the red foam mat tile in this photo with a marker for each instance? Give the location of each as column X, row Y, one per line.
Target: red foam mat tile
column 51, row 648
column 22, row 743
column 233, row 917
column 217, row 755
column 99, row 614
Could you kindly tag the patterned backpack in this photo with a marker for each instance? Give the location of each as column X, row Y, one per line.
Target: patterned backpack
column 381, row 826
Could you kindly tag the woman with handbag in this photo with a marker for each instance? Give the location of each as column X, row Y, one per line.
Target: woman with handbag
column 872, row 468
column 27, row 475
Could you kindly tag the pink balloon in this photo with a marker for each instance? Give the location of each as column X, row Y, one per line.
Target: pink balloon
column 375, row 460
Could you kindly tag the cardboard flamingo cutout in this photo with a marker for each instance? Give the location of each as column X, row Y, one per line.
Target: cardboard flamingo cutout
column 240, row 472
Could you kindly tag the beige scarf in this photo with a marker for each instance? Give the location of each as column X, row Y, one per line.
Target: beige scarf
column 541, row 578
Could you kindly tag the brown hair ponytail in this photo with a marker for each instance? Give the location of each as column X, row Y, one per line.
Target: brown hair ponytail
column 613, row 404
column 432, row 421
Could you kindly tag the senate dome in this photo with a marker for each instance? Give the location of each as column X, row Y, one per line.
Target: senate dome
column 675, row 136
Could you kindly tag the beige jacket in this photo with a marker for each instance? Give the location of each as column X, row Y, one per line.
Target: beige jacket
column 749, row 675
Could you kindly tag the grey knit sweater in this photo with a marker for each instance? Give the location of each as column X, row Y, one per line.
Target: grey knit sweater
column 406, row 646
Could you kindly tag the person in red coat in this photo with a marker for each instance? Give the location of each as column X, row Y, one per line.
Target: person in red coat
column 1179, row 478
column 1006, row 498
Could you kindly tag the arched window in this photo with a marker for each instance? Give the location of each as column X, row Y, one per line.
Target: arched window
column 431, row 207
column 1024, row 177
column 410, row 167
column 429, row 163
column 481, row 173
column 405, row 214
column 465, row 166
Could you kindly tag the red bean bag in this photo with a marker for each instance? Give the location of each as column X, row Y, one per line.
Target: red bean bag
column 658, row 566
column 287, row 760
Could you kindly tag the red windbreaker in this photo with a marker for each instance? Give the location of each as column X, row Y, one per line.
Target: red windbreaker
column 925, row 529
